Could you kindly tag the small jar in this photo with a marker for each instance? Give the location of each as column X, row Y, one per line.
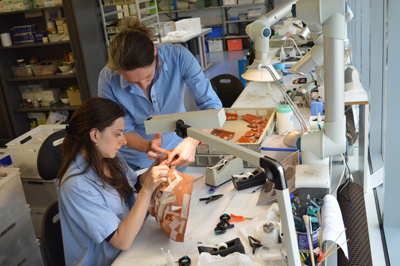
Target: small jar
column 40, row 102
column 20, row 62
column 30, row 104
column 33, row 60
column 269, row 236
column 24, row 103
column 35, row 104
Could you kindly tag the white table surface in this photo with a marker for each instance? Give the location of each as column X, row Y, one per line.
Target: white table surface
column 189, row 37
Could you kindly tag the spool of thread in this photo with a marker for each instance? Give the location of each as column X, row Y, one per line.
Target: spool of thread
column 5, row 39
column 317, row 106
column 284, row 118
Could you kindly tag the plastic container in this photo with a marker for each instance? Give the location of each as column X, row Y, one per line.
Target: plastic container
column 32, row 256
column 216, row 32
column 215, row 45
column 269, row 236
column 279, row 67
column 284, row 118
column 24, row 149
column 17, row 236
column 243, row 16
column 12, row 197
column 166, row 27
column 50, row 69
column 230, row 2
column 241, row 2
column 22, row 71
column 192, row 24
column 39, row 193
column 234, row 44
column 254, row 13
column 30, row 86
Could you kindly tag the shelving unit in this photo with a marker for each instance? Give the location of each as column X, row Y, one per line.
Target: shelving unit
column 224, row 18
column 54, row 107
column 42, row 77
column 113, row 10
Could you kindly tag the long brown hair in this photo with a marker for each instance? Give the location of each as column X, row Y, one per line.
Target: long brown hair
column 131, row 48
column 97, row 113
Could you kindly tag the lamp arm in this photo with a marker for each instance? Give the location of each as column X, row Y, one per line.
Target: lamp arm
column 289, row 100
column 274, row 172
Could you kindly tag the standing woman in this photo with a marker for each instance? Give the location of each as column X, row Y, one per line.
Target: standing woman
column 146, row 81
column 100, row 213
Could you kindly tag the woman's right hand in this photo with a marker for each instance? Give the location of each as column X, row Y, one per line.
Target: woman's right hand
column 155, row 176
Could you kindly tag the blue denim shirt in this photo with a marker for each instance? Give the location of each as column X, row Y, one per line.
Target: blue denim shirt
column 176, row 68
column 89, row 213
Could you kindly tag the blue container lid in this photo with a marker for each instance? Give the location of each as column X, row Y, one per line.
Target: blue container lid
column 278, row 66
column 285, row 108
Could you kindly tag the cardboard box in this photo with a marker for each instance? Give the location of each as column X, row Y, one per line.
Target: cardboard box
column 37, row 119
column 74, row 97
column 49, row 97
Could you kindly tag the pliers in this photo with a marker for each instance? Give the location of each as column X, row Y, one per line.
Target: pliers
column 211, row 198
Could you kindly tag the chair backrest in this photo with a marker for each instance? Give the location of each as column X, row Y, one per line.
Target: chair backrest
column 227, row 87
column 50, row 157
column 52, row 243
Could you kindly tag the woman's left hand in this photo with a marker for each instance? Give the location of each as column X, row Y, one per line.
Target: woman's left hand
column 184, row 153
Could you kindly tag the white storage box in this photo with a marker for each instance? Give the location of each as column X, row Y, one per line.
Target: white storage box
column 215, row 45
column 32, row 256
column 12, row 197
column 230, row 2
column 24, row 150
column 37, row 217
column 17, row 235
column 166, row 27
column 39, row 193
column 242, row 2
column 190, row 24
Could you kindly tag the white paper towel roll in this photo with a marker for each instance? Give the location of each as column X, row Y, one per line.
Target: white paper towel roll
column 5, row 39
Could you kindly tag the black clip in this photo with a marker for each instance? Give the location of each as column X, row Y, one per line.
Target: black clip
column 254, row 243
column 184, row 261
column 211, row 198
column 223, row 224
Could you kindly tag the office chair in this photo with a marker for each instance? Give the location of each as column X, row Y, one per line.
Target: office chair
column 227, row 87
column 48, row 163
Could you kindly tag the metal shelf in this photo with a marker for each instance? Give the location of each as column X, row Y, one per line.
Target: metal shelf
column 30, row 10
column 237, row 21
column 212, row 7
column 34, row 45
column 42, row 77
column 57, row 106
column 230, row 37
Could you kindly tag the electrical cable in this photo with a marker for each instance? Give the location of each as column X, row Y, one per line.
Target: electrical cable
column 341, row 177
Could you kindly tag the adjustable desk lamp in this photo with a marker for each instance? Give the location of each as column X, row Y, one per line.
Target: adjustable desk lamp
column 189, row 124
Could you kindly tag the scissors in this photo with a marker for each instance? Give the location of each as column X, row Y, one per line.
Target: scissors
column 236, row 218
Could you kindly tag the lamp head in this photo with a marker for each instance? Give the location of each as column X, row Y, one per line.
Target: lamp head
column 258, row 72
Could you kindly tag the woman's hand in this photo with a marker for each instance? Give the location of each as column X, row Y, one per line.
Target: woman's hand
column 154, row 150
column 184, row 153
column 154, row 177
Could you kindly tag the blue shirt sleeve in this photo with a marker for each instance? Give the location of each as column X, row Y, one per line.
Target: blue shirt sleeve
column 108, row 83
column 200, row 86
column 85, row 205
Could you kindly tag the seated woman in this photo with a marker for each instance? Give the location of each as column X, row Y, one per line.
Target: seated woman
column 100, row 212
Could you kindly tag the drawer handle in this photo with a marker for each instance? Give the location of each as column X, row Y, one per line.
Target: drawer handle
column 35, row 183
column 22, row 262
column 7, row 230
column 26, row 139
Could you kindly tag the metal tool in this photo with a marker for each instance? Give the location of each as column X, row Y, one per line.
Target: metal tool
column 255, row 243
column 211, row 198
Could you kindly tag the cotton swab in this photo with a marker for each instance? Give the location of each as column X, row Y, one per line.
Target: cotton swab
column 307, row 221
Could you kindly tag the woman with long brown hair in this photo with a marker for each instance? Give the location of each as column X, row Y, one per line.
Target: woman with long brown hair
column 102, row 202
column 148, row 80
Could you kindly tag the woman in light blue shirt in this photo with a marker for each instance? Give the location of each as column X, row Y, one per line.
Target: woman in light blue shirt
column 146, row 81
column 102, row 202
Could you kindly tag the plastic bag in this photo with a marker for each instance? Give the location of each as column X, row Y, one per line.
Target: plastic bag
column 170, row 204
column 57, row 117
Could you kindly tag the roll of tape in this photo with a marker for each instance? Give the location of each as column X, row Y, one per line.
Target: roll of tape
column 222, row 245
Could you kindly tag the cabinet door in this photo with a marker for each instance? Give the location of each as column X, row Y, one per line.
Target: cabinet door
column 6, row 134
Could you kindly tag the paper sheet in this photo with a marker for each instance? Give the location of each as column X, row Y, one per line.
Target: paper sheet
column 332, row 223
column 245, row 205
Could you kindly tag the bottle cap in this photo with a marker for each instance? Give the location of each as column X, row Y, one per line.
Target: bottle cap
column 268, row 227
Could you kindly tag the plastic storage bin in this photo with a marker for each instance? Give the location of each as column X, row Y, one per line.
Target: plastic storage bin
column 51, row 69
column 17, row 236
column 12, row 197
column 39, row 193
column 234, row 44
column 230, row 2
column 33, row 86
column 243, row 16
column 22, row 71
column 166, row 27
column 32, row 256
column 24, row 150
column 233, row 15
column 190, row 24
column 241, row 2
column 216, row 32
column 215, row 45
column 254, row 13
